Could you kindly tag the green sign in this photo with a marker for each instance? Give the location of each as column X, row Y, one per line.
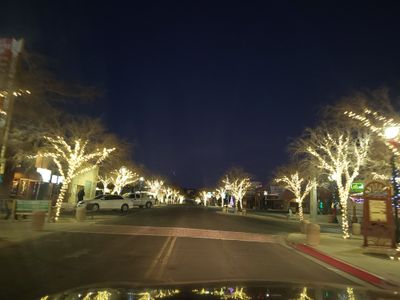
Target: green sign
column 357, row 187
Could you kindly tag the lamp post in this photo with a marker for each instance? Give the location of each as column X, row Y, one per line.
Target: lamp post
column 391, row 133
column 141, row 180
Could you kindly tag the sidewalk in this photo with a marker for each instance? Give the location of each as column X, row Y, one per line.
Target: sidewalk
column 377, row 266
column 321, row 219
column 20, row 230
column 267, row 215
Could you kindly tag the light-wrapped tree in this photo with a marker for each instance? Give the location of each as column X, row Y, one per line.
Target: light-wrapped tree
column 122, row 177
column 299, row 186
column 72, row 160
column 341, row 154
column 204, row 197
column 156, row 187
column 238, row 187
column 105, row 181
column 221, row 194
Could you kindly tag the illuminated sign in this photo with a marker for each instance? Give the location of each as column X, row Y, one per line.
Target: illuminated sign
column 357, row 187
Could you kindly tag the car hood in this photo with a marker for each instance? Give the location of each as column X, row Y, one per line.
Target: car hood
column 227, row 290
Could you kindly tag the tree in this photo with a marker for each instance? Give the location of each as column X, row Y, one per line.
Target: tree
column 167, row 191
column 221, row 194
column 106, row 181
column 204, row 196
column 238, row 187
column 156, row 187
column 35, row 113
column 122, row 177
column 341, row 153
column 298, row 185
column 72, row 160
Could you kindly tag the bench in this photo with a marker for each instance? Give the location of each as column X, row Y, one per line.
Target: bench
column 28, row 207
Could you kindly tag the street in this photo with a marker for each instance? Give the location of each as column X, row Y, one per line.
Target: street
column 175, row 244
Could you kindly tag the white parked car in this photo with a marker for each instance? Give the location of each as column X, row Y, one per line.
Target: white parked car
column 141, row 199
column 107, row 202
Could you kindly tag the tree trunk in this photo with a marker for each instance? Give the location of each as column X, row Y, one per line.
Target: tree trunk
column 301, row 215
column 60, row 198
column 345, row 221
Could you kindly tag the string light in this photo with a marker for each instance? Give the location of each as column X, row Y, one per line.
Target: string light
column 156, row 187
column 388, row 130
column 105, row 181
column 168, row 192
column 122, row 177
column 16, row 93
column 238, row 188
column 72, row 161
column 295, row 184
column 221, row 194
column 341, row 157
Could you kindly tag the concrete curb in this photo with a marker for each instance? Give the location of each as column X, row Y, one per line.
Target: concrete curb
column 344, row 266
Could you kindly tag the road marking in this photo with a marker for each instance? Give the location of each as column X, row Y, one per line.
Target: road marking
column 165, row 260
column 151, row 269
column 178, row 232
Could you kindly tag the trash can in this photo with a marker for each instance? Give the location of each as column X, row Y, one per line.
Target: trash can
column 303, row 226
column 38, row 218
column 80, row 214
column 356, row 228
column 313, row 234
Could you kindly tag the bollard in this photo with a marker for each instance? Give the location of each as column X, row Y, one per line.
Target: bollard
column 303, row 226
column 313, row 234
column 80, row 214
column 38, row 218
column 356, row 228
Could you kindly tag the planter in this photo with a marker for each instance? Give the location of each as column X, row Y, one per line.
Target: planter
column 313, row 234
column 80, row 214
column 38, row 218
column 303, row 226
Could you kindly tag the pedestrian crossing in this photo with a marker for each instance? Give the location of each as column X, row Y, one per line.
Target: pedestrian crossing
column 181, row 232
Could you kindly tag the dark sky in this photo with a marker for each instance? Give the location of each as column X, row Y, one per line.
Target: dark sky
column 201, row 86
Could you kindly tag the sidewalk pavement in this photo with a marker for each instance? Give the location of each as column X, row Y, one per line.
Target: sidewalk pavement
column 266, row 215
column 377, row 266
column 321, row 219
column 20, row 230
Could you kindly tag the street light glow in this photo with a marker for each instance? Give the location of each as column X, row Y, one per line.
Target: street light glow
column 392, row 132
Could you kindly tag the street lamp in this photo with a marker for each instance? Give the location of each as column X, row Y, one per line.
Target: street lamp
column 391, row 133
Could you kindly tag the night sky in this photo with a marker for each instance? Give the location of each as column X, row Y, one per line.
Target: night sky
column 202, row 86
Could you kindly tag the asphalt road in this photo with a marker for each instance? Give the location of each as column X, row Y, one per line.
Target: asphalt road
column 154, row 246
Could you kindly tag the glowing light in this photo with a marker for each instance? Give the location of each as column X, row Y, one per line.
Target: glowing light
column 391, row 132
column 105, row 181
column 122, row 177
column 45, row 173
column 156, row 188
column 71, row 161
column 341, row 156
column 238, row 188
column 168, row 192
column 221, row 194
column 300, row 187
column 205, row 196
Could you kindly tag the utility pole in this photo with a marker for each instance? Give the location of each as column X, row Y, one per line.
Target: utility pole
column 9, row 96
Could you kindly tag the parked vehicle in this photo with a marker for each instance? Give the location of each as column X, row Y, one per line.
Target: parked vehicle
column 141, row 199
column 107, row 202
